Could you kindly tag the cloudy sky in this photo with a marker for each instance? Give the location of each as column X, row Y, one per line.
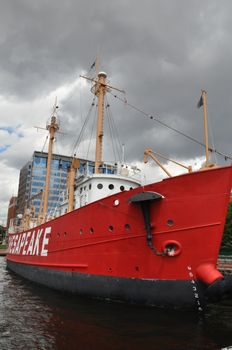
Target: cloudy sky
column 161, row 52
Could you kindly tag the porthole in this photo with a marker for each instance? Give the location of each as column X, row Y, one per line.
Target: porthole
column 90, row 186
column 81, row 231
column 65, row 233
column 91, row 230
column 116, row 202
column 131, row 188
column 111, row 186
column 122, row 188
column 99, row 186
column 110, row 228
column 170, row 222
column 81, row 190
column 127, row 227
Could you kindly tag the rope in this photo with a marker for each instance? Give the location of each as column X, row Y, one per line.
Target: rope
column 115, row 133
column 78, row 141
column 226, row 157
column 111, row 132
column 91, row 135
column 44, row 144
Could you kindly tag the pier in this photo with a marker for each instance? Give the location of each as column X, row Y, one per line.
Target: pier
column 3, row 252
column 225, row 264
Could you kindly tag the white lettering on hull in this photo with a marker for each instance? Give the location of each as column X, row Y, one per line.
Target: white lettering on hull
column 30, row 243
column 44, row 252
column 36, row 250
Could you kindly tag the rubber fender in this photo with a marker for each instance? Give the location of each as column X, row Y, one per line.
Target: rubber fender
column 208, row 273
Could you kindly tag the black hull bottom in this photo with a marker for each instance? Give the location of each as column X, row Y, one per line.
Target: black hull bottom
column 160, row 293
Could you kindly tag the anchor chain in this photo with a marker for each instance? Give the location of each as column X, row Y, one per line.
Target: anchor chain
column 144, row 199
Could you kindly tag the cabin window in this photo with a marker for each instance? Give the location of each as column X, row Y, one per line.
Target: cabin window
column 122, row 188
column 99, row 186
column 110, row 228
column 90, row 186
column 127, row 227
column 91, row 230
column 81, row 231
column 81, row 190
column 111, row 186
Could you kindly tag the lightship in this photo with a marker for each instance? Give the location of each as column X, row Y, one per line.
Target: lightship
column 115, row 239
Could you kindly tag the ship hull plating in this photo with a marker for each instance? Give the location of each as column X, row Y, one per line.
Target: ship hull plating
column 159, row 293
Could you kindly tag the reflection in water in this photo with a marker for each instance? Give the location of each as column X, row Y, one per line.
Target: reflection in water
column 33, row 317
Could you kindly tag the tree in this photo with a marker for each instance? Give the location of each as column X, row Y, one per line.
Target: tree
column 227, row 235
column 2, row 233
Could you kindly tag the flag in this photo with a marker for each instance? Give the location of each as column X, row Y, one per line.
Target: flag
column 93, row 65
column 200, row 102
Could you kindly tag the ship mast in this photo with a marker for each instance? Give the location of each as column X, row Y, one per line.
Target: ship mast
column 52, row 128
column 71, row 183
column 202, row 102
column 99, row 91
column 203, row 94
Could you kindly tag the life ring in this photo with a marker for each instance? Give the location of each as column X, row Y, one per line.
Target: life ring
column 172, row 248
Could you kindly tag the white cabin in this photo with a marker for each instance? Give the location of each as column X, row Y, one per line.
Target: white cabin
column 92, row 187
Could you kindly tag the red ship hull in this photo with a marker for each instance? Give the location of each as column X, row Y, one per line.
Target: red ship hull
column 102, row 249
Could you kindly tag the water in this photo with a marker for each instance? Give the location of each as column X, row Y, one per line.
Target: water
column 33, row 317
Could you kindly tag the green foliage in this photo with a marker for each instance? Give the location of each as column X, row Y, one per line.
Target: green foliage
column 2, row 233
column 227, row 236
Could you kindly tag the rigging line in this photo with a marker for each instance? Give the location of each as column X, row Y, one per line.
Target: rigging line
column 110, row 131
column 77, row 143
column 44, row 144
column 212, row 135
column 80, row 100
column 115, row 139
column 59, row 198
column 118, row 142
column 56, row 144
column 91, row 135
column 171, row 128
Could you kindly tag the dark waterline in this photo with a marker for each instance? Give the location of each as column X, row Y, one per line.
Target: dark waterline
column 33, row 317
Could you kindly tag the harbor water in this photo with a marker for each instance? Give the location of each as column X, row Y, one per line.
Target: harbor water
column 34, row 317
